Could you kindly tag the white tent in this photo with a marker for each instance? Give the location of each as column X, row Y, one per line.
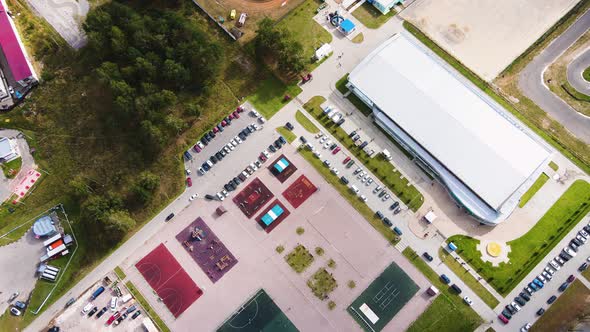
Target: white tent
column 430, row 217
column 323, row 52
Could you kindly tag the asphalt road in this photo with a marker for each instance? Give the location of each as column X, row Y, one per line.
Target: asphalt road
column 532, row 85
column 575, row 70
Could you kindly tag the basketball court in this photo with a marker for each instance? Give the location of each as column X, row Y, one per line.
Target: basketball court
column 299, row 191
column 260, row 313
column 253, row 197
column 170, row 281
column 383, row 299
column 282, row 168
column 272, row 220
column 206, row 249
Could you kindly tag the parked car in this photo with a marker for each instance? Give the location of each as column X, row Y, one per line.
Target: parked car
column 540, row 311
column 563, row 286
column 525, row 296
column 335, row 151
column 526, row 327
column 551, row 299
column 515, row 306
column 113, row 317
column 456, row 288
column 289, row 126
column 397, row 231
column 427, row 256
column 583, row 267
column 170, row 216
column 15, row 311
column 347, row 159
column 467, row 300
column 394, row 205
column 571, row 278
column 137, row 313
column 387, row 222
column 21, row 305
column 503, row 319
column 93, row 311
column 520, row 301
column 101, row 312
column 379, row 215
column 189, row 182
column 445, row 279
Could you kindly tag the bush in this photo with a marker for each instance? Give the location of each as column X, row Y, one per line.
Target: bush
column 351, row 284
column 280, row 249
column 300, row 230
column 331, row 305
column 319, row 251
column 331, row 263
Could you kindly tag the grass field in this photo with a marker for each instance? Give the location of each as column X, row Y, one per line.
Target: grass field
column 533, row 189
column 351, row 197
column 528, row 250
column 362, row 107
column 120, row 274
column 586, row 74
column 12, row 167
column 526, row 111
column 370, row 17
column 468, row 279
column 147, row 307
column 305, row 30
column 385, row 296
column 306, row 123
column 299, row 259
column 268, row 99
column 448, row 312
column 322, row 283
column 382, row 168
column 553, row 166
column 287, row 134
column 563, row 313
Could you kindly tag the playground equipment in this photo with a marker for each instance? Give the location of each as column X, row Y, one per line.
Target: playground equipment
column 335, row 18
column 197, row 234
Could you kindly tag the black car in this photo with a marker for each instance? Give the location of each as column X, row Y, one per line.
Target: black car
column 226, row 187
column 282, row 140
column 170, row 216
column 520, row 301
column 242, row 136
column 249, row 129
column 577, row 242
column 219, row 156
column 210, row 197
column 344, row 180
column 583, row 267
column 587, row 228
column 220, row 127
column 427, row 256
column 303, row 139
column 563, row 286
column 228, row 120
column 456, row 289
column 289, row 125
column 204, row 141
column 187, row 156
column 231, row 185
column 211, row 134
column 278, row 144
column 362, row 146
column 540, row 311
column 93, row 311
column 101, row 312
column 137, row 313
column 394, row 205
column 525, row 296
column 510, row 308
column 351, row 135
column 242, row 177
column 54, row 329
column 272, row 148
column 506, row 313
column 340, row 122
column 564, row 256
column 333, row 146
column 206, row 166
column 379, row 214
column 552, row 299
column 387, row 222
column 206, row 138
column 445, row 279
column 237, row 180
column 213, row 159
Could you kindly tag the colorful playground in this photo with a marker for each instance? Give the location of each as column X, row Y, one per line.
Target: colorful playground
column 299, row 191
column 253, row 197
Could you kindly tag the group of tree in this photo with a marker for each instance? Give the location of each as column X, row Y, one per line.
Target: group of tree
column 280, row 45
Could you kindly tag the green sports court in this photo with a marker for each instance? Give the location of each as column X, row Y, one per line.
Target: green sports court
column 383, row 299
column 258, row 314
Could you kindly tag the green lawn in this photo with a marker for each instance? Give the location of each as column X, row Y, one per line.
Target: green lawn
column 586, row 74
column 287, row 134
column 553, row 166
column 269, row 97
column 378, row 165
column 533, row 189
column 570, row 306
column 120, row 274
column 305, row 30
column 570, row 90
column 468, row 279
column 12, row 167
column 306, row 123
column 147, row 307
column 555, row 135
column 351, row 197
column 528, row 250
column 448, row 312
column 370, row 17
column 299, row 259
column 359, row 38
column 362, row 107
column 322, row 283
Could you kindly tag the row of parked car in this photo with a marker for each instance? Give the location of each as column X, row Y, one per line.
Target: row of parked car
column 249, row 170
column 211, row 134
column 227, row 149
column 546, row 276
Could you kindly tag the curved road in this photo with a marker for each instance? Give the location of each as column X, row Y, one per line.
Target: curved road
column 532, row 85
column 575, row 70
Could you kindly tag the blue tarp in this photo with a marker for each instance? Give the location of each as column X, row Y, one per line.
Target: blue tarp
column 347, row 26
column 281, row 165
column 272, row 215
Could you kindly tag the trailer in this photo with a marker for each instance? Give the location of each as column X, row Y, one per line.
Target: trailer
column 96, row 293
column 51, row 239
column 242, row 20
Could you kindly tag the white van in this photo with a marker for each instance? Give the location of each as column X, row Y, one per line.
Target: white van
column 354, row 189
column 87, row 308
column 114, row 301
column 126, row 298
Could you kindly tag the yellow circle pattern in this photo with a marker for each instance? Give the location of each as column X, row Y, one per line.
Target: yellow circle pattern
column 494, row 249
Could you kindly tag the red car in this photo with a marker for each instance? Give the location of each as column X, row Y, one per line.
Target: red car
column 189, row 182
column 113, row 317
column 347, row 159
column 197, row 148
column 262, row 157
column 503, row 319
column 571, row 278
column 236, row 115
column 223, row 123
column 231, row 116
column 239, row 109
column 335, row 151
column 215, row 129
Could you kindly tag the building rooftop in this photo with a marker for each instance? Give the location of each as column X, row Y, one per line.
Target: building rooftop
column 12, row 49
column 449, row 118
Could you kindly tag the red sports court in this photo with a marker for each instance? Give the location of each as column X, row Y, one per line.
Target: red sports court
column 253, row 197
column 299, row 191
column 172, row 284
column 272, row 216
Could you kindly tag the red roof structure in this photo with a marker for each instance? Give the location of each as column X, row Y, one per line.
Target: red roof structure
column 12, row 50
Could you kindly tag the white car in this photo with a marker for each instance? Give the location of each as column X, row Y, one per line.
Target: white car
column 364, row 179
column 335, row 171
column 354, row 189
column 549, row 270
column 238, row 140
column 193, row 196
column 547, row 275
column 224, row 192
column 516, row 306
column 254, row 113
column 319, row 135
column 386, row 197
column 555, row 265
column 569, row 251
column 233, row 142
column 323, row 139
column 363, row 198
column 114, row 301
column 15, row 311
column 326, row 145
column 581, row 239
column 377, row 189
column 584, row 233
column 265, row 153
column 361, row 174
column 369, row 181
column 87, row 308
column 187, row 171
column 254, row 167
column 526, row 327
column 261, row 119
column 220, row 196
column 244, row 173
column 199, row 144
column 230, row 147
column 317, row 154
column 327, row 162
column 468, row 300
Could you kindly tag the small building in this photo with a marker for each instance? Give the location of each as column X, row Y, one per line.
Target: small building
column 280, row 165
column 8, row 150
column 220, row 210
column 44, row 227
column 385, row 6
column 432, row 291
column 430, row 217
column 323, row 52
column 347, row 27
column 272, row 215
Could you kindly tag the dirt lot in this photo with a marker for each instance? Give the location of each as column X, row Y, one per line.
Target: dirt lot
column 359, row 253
column 486, row 35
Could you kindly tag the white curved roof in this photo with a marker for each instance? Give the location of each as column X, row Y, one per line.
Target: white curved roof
column 449, row 118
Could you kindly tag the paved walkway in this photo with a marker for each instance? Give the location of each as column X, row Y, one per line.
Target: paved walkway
column 575, row 70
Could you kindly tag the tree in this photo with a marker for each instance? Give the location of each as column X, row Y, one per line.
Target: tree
column 117, row 224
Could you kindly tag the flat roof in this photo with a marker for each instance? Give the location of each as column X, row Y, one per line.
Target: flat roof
column 12, row 50
column 449, row 117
